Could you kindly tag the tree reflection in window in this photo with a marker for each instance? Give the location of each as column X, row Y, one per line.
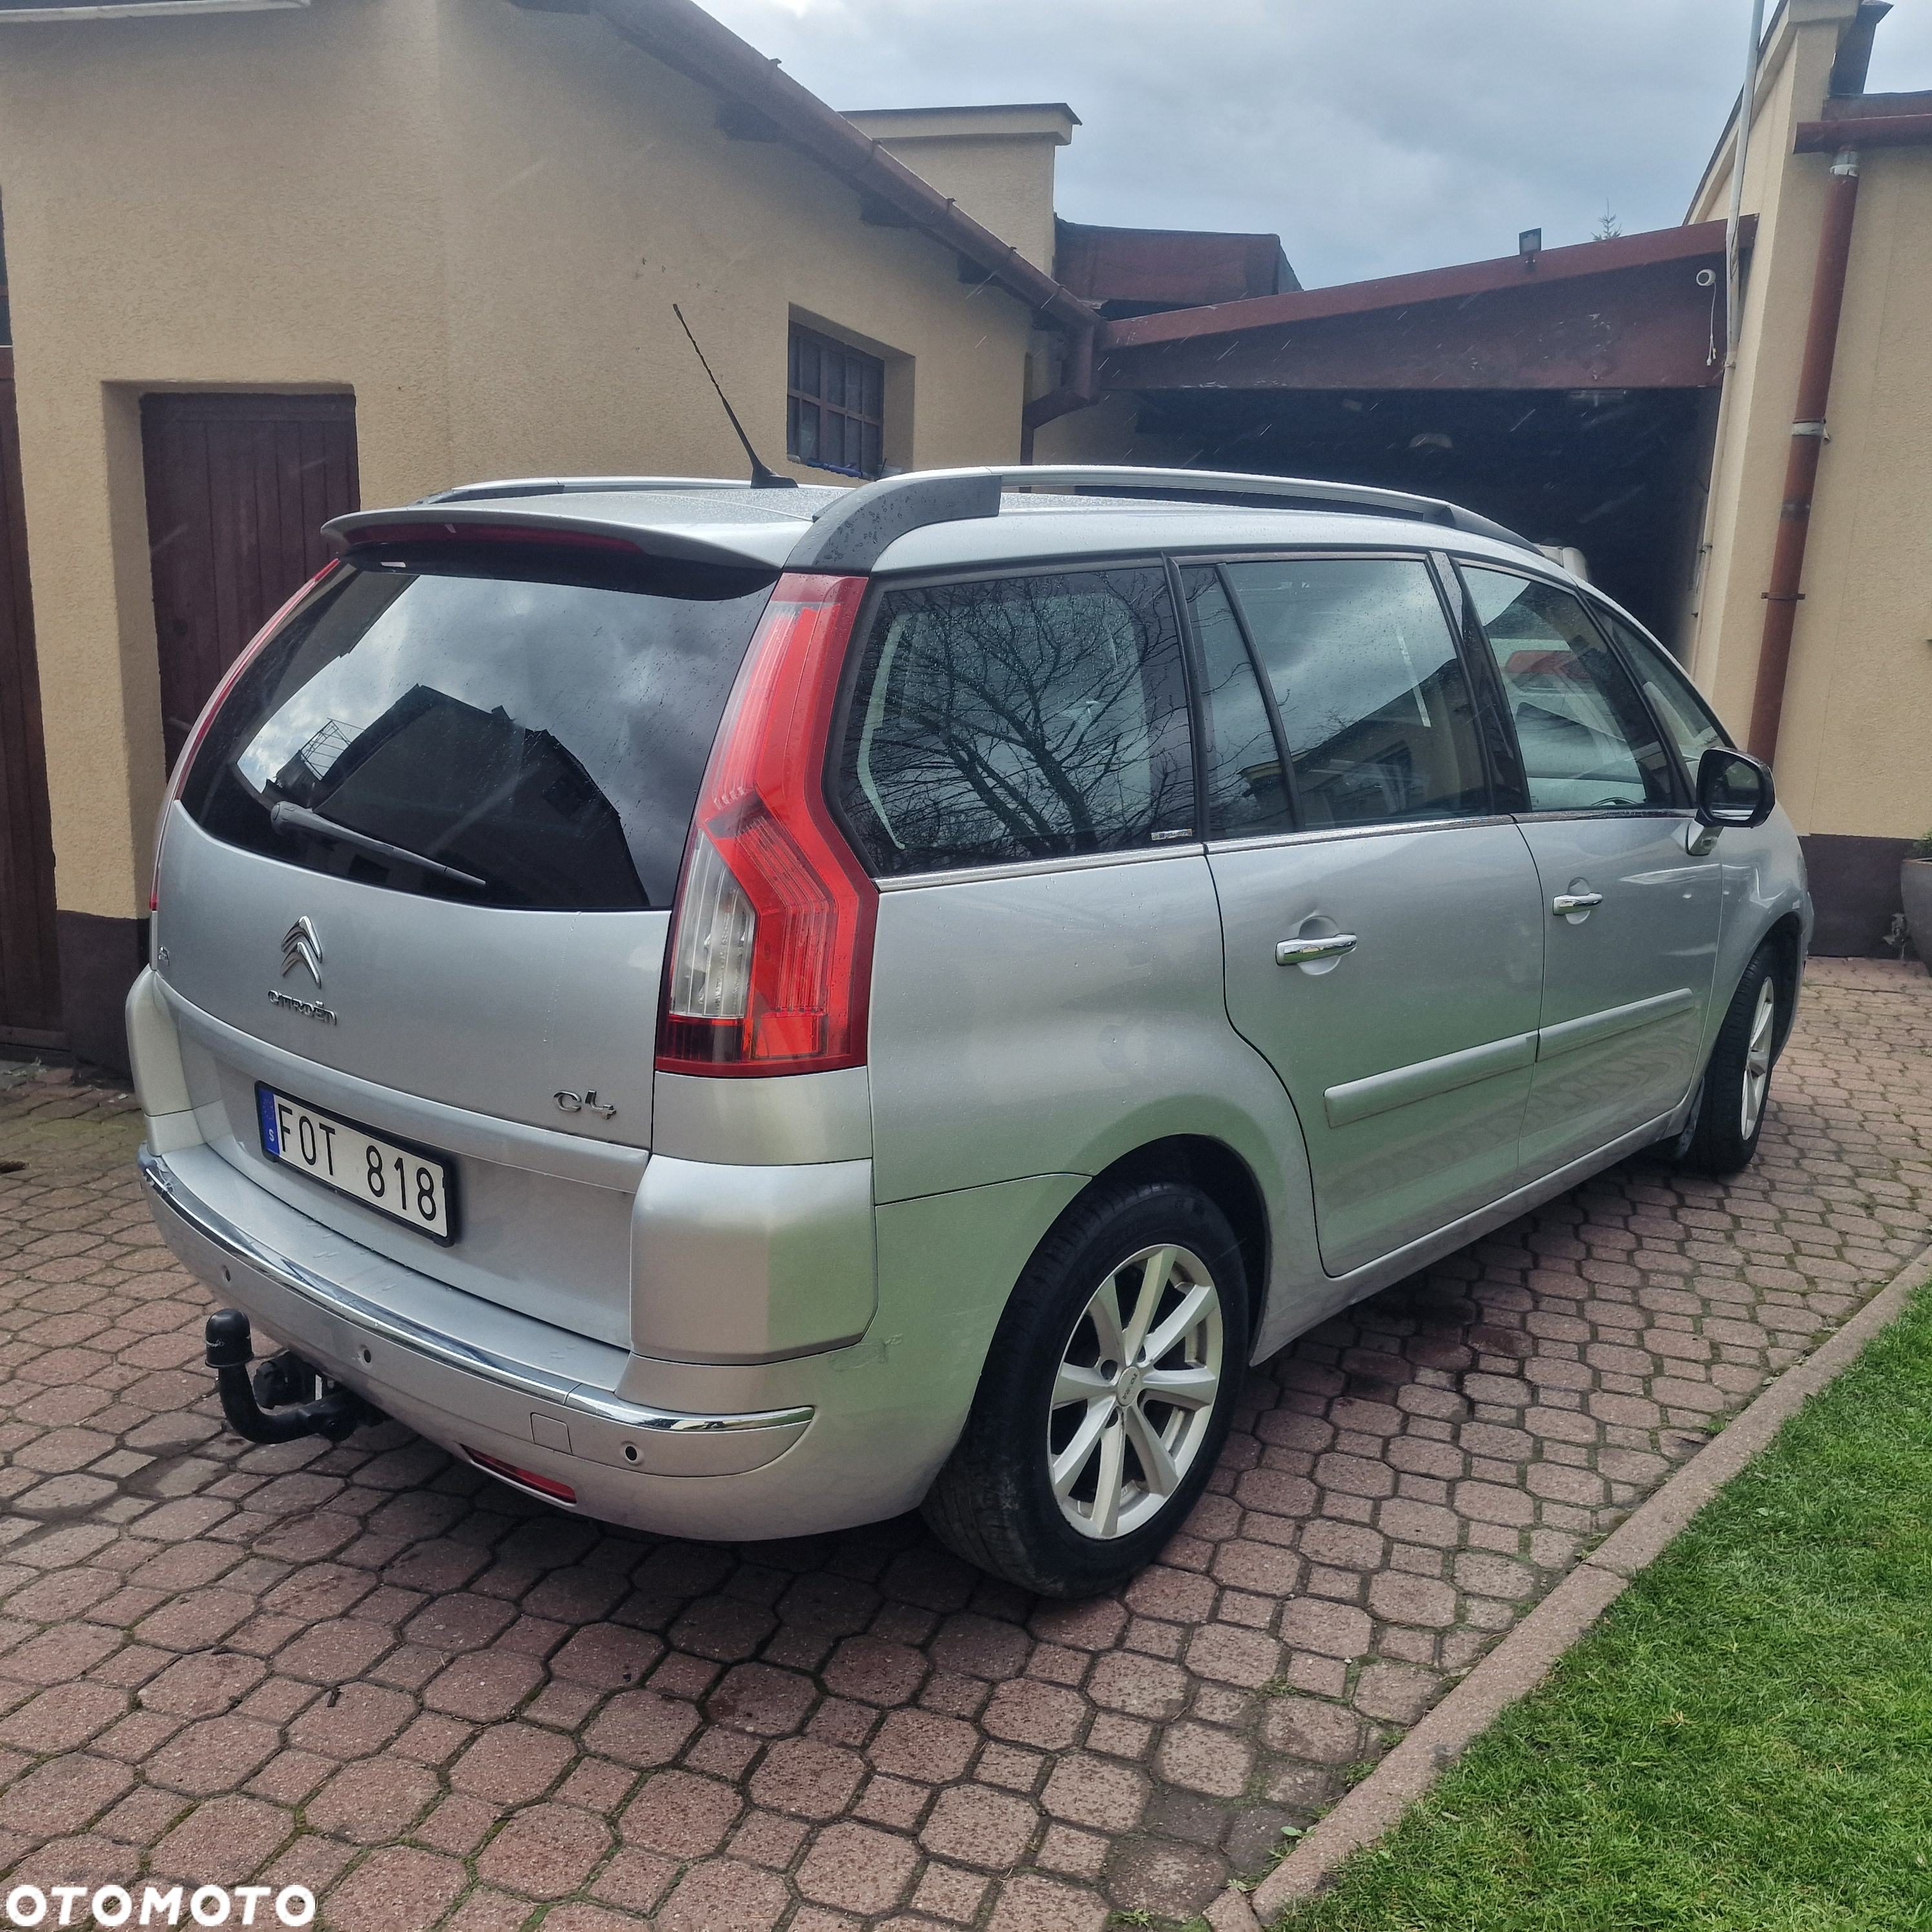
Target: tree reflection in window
column 1019, row 718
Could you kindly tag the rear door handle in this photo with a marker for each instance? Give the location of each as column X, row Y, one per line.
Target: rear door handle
column 1563, row 904
column 1301, row 952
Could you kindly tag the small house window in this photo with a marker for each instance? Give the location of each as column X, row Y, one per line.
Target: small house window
column 835, row 405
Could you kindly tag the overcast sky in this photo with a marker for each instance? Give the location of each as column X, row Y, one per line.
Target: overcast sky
column 1373, row 136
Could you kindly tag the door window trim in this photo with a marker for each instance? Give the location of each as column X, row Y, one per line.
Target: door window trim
column 1378, row 829
column 1509, row 785
column 1193, row 684
column 1025, row 868
column 1600, row 811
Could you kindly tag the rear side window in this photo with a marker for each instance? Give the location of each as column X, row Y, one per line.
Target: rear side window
column 500, row 741
column 1022, row 717
column 1374, row 702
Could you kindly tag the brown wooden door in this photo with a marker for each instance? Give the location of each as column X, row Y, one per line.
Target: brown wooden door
column 238, row 488
column 30, row 1009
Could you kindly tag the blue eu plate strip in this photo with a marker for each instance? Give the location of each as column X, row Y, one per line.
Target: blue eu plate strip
column 272, row 1139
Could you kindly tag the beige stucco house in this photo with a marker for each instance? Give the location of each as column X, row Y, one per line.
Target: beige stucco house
column 267, row 260
column 1850, row 724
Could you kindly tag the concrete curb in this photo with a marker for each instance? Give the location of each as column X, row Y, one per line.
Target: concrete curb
column 1526, row 1655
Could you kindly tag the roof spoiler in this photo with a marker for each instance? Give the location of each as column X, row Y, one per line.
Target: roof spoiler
column 761, row 548
column 571, row 486
column 847, row 538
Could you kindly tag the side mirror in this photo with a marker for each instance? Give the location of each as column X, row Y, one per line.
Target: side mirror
column 1733, row 788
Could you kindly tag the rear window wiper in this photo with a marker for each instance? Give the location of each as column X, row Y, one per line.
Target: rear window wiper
column 286, row 818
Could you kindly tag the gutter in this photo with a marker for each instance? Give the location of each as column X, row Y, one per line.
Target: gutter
column 683, row 37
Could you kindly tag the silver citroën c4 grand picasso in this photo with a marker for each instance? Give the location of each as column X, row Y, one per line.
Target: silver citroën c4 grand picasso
column 744, row 1012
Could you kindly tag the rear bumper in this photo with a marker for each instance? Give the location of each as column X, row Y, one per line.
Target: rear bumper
column 525, row 1393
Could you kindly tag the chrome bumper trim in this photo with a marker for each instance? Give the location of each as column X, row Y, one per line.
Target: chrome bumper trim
column 166, row 1187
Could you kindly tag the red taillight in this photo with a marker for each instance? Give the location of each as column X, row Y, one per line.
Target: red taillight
column 771, row 955
column 249, row 651
column 524, row 1479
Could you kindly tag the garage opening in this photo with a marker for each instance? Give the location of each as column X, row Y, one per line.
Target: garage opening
column 1616, row 474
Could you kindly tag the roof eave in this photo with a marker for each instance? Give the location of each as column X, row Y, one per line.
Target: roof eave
column 685, row 37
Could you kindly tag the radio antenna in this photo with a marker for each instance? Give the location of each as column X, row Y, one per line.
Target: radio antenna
column 762, row 479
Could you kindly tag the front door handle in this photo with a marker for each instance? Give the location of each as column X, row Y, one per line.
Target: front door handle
column 1303, row 951
column 1565, row 904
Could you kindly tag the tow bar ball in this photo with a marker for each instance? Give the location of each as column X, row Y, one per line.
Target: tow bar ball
column 277, row 1381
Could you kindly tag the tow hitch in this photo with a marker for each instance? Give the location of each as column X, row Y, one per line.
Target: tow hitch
column 279, row 1380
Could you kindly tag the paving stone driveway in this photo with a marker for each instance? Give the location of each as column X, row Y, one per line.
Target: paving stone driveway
column 366, row 1670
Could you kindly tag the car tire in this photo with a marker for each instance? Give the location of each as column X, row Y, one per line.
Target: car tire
column 1072, row 1471
column 1721, row 1136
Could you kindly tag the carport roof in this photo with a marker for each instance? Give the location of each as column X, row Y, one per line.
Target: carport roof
column 1628, row 311
column 1463, row 278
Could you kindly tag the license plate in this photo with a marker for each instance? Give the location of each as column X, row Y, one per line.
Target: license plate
column 409, row 1184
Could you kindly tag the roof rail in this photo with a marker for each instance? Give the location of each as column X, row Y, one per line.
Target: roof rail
column 848, row 537
column 571, row 486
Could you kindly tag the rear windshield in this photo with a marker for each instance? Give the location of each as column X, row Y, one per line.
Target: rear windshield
column 502, row 741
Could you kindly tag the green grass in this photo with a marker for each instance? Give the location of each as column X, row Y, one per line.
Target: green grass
column 1745, row 1743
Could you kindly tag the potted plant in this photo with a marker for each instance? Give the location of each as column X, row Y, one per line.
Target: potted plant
column 1914, row 885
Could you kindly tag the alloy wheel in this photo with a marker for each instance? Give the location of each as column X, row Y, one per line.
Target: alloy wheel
column 1133, row 1397
column 1757, row 1056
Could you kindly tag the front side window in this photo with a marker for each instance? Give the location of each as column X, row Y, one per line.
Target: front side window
column 835, row 405
column 498, row 742
column 1374, row 702
column 1023, row 718
column 1587, row 741
column 1685, row 717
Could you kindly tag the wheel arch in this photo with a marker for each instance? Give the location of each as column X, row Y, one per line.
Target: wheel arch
column 1198, row 1160
column 1786, row 938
